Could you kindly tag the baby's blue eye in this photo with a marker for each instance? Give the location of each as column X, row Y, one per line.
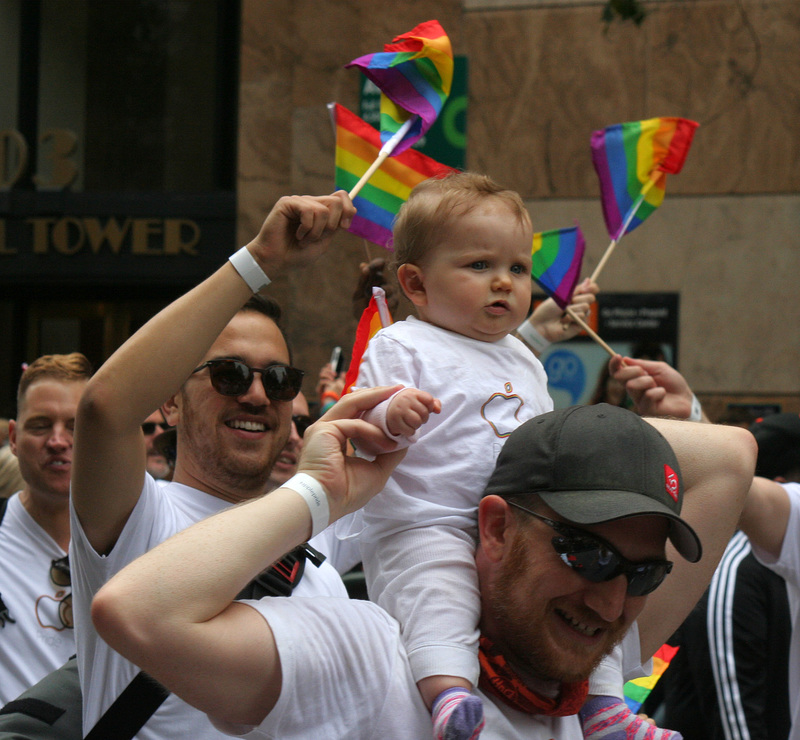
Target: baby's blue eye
column 518, row 269
column 479, row 265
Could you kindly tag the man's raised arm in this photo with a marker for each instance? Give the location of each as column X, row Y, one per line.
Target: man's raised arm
column 109, row 458
column 717, row 464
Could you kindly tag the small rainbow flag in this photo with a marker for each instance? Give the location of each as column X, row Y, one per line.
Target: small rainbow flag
column 375, row 316
column 357, row 147
column 557, row 258
column 414, row 75
column 639, row 689
column 632, row 161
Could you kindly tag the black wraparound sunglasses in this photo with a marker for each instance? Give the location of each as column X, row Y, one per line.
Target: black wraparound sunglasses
column 149, row 427
column 598, row 560
column 301, row 423
column 233, row 378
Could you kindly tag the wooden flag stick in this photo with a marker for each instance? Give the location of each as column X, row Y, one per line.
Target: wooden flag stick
column 383, row 155
column 631, row 213
column 591, row 332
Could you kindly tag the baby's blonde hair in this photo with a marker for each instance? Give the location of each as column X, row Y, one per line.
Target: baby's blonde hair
column 433, row 203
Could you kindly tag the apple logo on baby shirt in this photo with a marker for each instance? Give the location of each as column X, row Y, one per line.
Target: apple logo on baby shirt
column 501, row 411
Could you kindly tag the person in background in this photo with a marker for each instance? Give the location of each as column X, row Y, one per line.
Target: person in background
column 285, row 465
column 36, row 624
column 771, row 515
column 157, row 465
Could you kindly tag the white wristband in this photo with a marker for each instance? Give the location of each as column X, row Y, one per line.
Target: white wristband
column 315, row 497
column 697, row 410
column 528, row 332
column 250, row 271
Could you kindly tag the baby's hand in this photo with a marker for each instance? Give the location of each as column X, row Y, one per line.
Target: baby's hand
column 409, row 410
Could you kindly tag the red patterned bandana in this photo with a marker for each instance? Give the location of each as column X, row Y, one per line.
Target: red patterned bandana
column 498, row 678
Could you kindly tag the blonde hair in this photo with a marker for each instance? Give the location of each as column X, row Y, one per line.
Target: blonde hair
column 65, row 368
column 433, row 203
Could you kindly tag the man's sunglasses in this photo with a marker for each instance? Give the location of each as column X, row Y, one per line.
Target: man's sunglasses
column 149, row 427
column 598, row 560
column 60, row 576
column 59, row 572
column 234, row 378
column 301, row 423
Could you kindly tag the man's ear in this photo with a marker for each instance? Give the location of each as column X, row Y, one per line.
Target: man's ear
column 412, row 282
column 170, row 410
column 12, row 435
column 494, row 522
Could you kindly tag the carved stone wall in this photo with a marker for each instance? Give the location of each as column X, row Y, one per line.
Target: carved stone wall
column 541, row 79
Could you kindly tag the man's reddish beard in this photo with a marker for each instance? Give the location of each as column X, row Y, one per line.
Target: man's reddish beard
column 520, row 637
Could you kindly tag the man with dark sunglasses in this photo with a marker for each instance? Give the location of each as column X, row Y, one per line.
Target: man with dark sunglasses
column 157, row 465
column 585, row 509
column 286, row 463
column 218, row 366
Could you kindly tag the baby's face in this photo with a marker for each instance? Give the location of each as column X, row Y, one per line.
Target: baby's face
column 478, row 278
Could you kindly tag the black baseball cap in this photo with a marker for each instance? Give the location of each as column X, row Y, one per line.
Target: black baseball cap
column 778, row 438
column 595, row 464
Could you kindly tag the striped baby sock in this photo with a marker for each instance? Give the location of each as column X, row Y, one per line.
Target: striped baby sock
column 457, row 715
column 609, row 718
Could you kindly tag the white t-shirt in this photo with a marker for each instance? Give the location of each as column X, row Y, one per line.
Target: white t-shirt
column 788, row 567
column 346, row 677
column 487, row 390
column 36, row 642
column 419, row 533
column 160, row 512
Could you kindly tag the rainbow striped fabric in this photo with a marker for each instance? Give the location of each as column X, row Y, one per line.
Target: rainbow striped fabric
column 374, row 317
column 414, row 75
column 557, row 259
column 357, row 147
column 638, row 690
column 632, row 161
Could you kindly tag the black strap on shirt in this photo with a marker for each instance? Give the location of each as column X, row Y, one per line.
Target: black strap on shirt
column 144, row 695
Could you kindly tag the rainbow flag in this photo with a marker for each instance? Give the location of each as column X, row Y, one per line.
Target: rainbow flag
column 414, row 75
column 557, row 258
column 375, row 316
column 357, row 147
column 632, row 161
column 638, row 690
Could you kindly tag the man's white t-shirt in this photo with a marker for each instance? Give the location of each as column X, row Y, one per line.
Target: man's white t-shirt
column 160, row 512
column 346, row 676
column 37, row 641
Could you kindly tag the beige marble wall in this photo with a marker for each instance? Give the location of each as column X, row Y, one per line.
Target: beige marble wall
column 541, row 79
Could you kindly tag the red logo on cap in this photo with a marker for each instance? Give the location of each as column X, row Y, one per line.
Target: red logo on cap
column 671, row 483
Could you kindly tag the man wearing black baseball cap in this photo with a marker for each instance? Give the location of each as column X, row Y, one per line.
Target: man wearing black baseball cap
column 573, row 537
